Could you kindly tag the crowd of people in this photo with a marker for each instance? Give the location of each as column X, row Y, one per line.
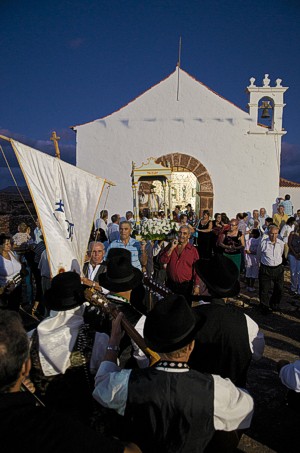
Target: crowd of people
column 176, row 381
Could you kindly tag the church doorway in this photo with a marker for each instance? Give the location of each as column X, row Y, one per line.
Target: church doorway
column 191, row 182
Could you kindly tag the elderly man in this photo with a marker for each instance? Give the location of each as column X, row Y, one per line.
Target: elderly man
column 254, row 220
column 269, row 254
column 180, row 257
column 27, row 426
column 137, row 249
column 95, row 267
column 280, row 218
column 262, row 218
column 169, row 407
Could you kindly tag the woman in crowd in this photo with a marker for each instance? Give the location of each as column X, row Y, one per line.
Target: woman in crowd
column 284, row 233
column 22, row 237
column 204, row 234
column 10, row 277
column 294, row 259
column 232, row 242
column 217, row 226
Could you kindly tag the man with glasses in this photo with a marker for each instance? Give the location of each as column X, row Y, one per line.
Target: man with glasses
column 180, row 257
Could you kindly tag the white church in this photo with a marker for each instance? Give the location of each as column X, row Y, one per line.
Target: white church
column 191, row 145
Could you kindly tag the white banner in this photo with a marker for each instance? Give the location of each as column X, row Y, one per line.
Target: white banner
column 66, row 199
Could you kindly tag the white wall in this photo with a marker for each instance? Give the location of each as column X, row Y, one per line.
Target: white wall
column 244, row 167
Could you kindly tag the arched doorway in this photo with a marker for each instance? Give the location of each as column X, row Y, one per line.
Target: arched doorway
column 184, row 162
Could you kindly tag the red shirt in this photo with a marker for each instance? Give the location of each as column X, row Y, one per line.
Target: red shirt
column 181, row 268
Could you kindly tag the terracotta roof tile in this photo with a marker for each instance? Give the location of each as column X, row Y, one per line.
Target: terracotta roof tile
column 286, row 183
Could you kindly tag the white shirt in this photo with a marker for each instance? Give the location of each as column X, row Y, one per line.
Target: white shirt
column 270, row 254
column 233, row 407
column 290, row 376
column 8, row 268
column 92, row 271
column 285, row 232
column 100, row 223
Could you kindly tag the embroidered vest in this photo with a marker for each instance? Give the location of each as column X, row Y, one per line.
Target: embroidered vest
column 170, row 412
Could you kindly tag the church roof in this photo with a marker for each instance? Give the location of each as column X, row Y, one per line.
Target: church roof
column 156, row 85
column 286, row 183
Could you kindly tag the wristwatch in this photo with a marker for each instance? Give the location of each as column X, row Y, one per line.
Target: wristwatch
column 113, row 348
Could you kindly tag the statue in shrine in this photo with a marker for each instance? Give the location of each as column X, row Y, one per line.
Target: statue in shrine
column 154, row 201
column 143, row 199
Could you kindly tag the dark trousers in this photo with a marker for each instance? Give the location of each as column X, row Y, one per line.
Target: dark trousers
column 184, row 288
column 267, row 275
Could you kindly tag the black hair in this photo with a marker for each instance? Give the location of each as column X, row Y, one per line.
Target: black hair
column 255, row 233
column 287, row 197
column 4, row 237
column 290, row 221
column 103, row 214
column 14, row 349
column 114, row 218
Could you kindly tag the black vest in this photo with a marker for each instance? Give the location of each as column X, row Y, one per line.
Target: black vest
column 170, row 412
column 222, row 344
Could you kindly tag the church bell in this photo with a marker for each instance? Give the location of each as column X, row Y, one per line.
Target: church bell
column 266, row 107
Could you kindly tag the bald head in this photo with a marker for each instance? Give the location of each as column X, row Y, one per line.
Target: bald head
column 273, row 233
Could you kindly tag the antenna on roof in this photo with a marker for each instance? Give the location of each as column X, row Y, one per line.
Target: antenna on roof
column 178, row 66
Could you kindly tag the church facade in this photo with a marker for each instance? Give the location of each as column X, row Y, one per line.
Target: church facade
column 185, row 126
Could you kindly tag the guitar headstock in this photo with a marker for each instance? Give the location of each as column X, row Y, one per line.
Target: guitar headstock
column 97, row 299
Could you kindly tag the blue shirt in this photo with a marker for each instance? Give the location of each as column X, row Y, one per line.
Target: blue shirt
column 288, row 207
column 134, row 248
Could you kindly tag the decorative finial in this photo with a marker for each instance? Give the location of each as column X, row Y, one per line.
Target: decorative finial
column 252, row 80
column 266, row 80
column 278, row 82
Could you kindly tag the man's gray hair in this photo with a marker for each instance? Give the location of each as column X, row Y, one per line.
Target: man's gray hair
column 126, row 221
column 93, row 244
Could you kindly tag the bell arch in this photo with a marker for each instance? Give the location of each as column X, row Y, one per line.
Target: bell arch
column 189, row 163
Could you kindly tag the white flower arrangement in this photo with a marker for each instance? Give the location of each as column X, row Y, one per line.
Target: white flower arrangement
column 154, row 229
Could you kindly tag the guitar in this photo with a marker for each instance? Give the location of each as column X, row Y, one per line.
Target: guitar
column 99, row 300
column 15, row 281
column 160, row 290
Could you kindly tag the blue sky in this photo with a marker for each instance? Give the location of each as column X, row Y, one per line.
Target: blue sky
column 68, row 62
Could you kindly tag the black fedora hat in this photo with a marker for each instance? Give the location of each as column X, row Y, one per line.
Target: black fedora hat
column 171, row 324
column 220, row 275
column 66, row 292
column 120, row 274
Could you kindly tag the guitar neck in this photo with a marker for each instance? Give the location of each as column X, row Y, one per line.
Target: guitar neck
column 102, row 302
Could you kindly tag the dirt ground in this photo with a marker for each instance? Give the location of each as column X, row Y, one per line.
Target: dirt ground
column 275, row 426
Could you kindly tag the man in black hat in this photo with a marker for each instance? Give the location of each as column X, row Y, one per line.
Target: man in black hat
column 169, row 407
column 26, row 426
column 229, row 339
column 124, row 283
column 65, row 348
